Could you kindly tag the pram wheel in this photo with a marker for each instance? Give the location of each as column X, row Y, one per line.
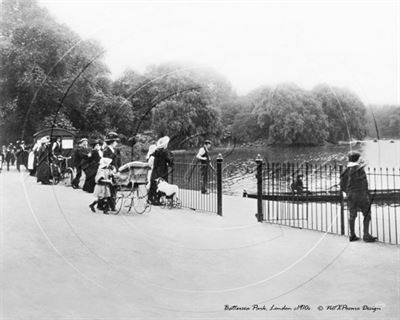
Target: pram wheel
column 140, row 203
column 119, row 202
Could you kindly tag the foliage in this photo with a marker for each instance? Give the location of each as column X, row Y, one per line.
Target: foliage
column 387, row 119
column 245, row 127
column 46, row 70
column 39, row 61
column 345, row 111
column 59, row 121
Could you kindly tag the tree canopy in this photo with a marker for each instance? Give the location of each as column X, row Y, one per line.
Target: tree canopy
column 50, row 76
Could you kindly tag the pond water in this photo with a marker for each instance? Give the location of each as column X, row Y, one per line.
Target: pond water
column 382, row 153
column 239, row 163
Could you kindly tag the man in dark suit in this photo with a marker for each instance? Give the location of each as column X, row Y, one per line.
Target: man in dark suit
column 81, row 154
column 112, row 153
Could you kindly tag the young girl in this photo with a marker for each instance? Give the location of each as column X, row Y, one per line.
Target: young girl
column 102, row 190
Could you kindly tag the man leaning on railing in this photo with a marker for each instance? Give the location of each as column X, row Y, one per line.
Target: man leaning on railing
column 353, row 181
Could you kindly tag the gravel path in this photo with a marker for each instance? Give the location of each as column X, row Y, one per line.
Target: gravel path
column 61, row 261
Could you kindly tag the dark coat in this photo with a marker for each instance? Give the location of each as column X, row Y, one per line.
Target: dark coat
column 92, row 164
column 43, row 172
column 79, row 157
column 113, row 155
column 162, row 160
column 354, row 180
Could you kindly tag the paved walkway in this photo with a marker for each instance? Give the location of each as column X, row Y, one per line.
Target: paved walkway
column 61, row 261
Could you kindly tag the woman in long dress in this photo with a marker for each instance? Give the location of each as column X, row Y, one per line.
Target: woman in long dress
column 43, row 172
column 162, row 160
column 32, row 158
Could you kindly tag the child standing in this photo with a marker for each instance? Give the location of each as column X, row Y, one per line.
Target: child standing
column 102, row 189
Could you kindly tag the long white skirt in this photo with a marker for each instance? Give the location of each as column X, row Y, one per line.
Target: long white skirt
column 31, row 160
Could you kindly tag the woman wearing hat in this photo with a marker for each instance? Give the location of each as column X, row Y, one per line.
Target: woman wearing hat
column 20, row 155
column 43, row 172
column 91, row 166
column 110, row 150
column 150, row 161
column 162, row 160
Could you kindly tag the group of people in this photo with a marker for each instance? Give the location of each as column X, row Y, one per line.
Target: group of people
column 158, row 158
column 45, row 159
column 14, row 154
column 99, row 161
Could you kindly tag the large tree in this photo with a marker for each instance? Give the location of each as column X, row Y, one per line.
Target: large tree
column 42, row 64
column 182, row 106
column 345, row 111
column 289, row 115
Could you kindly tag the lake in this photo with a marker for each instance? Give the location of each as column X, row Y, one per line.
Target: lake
column 377, row 154
column 239, row 173
column 239, row 163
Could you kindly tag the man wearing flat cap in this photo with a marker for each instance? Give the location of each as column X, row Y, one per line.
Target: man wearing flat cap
column 112, row 153
column 353, row 181
column 81, row 154
column 205, row 161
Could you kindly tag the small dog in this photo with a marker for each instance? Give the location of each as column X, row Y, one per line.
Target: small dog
column 169, row 190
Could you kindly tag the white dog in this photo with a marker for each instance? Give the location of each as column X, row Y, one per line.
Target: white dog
column 170, row 190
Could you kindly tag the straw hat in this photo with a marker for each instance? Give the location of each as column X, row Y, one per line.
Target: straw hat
column 45, row 139
column 104, row 162
column 82, row 140
column 152, row 148
column 163, row 142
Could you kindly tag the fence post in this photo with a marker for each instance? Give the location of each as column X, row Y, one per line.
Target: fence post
column 219, row 184
column 172, row 173
column 259, row 176
column 342, row 222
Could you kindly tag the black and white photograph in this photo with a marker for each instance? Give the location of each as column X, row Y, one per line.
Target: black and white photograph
column 198, row 159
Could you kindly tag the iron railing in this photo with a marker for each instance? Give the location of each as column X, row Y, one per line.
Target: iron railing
column 189, row 177
column 320, row 205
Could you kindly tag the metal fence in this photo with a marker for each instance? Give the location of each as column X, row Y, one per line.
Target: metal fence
column 320, row 205
column 190, row 176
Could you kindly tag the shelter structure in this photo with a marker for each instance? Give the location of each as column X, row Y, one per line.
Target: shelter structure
column 67, row 138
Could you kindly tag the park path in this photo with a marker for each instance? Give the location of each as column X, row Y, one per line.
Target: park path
column 61, row 261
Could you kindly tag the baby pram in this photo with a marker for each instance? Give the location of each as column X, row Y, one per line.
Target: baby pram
column 131, row 181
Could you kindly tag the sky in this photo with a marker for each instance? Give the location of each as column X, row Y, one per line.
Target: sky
column 353, row 44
